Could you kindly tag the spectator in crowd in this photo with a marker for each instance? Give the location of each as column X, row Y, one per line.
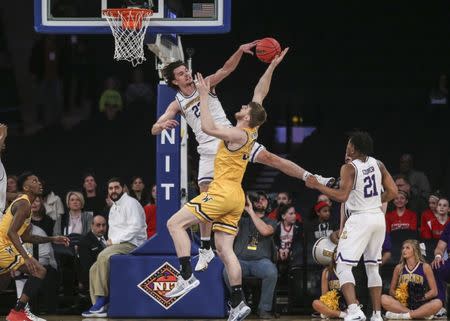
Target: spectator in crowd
column 322, row 225
column 288, row 238
column 420, row 186
column 138, row 91
column 11, row 186
column 90, row 247
column 401, row 218
column 283, row 198
column 150, row 213
column 439, row 93
column 127, row 230
column 138, row 190
column 53, row 205
column 412, row 271
column 324, row 198
column 94, row 202
column 76, row 222
column 40, row 218
column 434, row 227
column 111, row 99
column 329, row 306
column 255, row 250
column 430, row 213
column 415, row 203
column 73, row 224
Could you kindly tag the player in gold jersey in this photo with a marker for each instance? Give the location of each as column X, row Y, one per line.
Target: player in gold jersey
column 14, row 229
column 224, row 202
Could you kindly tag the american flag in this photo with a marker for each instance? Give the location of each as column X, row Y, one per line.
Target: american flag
column 203, row 10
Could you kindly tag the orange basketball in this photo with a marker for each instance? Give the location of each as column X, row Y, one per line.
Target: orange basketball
column 267, row 49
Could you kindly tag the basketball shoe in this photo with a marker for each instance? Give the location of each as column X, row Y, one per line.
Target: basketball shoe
column 239, row 312
column 30, row 315
column 441, row 314
column 183, row 286
column 17, row 316
column 355, row 315
column 376, row 317
column 204, row 257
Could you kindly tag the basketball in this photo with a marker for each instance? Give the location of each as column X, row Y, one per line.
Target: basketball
column 267, row 49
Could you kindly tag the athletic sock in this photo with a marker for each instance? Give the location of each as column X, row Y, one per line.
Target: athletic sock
column 186, row 268
column 20, row 305
column 236, row 295
column 32, row 286
column 205, row 243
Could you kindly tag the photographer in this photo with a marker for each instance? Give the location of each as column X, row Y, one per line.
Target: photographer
column 254, row 248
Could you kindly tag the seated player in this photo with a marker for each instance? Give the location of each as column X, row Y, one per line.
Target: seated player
column 413, row 290
column 331, row 304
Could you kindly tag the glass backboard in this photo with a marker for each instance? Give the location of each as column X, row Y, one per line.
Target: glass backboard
column 169, row 17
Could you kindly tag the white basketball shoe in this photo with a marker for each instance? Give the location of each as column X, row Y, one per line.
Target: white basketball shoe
column 239, row 312
column 356, row 315
column 204, row 257
column 183, row 286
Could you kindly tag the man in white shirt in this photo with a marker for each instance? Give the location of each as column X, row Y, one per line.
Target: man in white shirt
column 3, row 178
column 127, row 230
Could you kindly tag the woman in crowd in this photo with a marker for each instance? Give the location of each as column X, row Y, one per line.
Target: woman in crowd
column 434, row 227
column 413, row 290
column 138, row 190
column 40, row 218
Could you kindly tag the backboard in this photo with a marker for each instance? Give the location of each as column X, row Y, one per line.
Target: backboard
column 169, row 16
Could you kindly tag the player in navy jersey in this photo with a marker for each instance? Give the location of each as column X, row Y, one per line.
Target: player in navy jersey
column 412, row 270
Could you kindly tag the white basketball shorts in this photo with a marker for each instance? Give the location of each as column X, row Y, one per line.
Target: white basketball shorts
column 206, row 160
column 363, row 234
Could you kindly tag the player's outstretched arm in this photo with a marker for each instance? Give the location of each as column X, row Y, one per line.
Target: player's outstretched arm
column 390, row 189
column 231, row 64
column 209, row 126
column 345, row 187
column 263, row 85
column 283, row 165
column 167, row 121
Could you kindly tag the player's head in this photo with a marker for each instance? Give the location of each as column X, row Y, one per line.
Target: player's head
column 442, row 206
column 359, row 144
column 176, row 74
column 253, row 114
column 29, row 183
column 411, row 249
column 115, row 189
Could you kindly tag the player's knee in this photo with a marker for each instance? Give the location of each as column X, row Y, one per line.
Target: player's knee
column 373, row 276
column 316, row 304
column 171, row 224
column 344, row 273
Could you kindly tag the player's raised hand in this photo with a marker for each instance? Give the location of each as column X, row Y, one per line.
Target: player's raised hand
column 203, row 85
column 247, row 47
column 279, row 58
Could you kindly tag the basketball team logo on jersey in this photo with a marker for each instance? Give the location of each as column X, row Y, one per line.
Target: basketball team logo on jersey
column 161, row 281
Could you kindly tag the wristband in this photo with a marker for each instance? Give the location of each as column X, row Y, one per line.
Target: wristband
column 438, row 256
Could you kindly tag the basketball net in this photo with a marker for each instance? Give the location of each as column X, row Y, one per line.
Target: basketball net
column 128, row 26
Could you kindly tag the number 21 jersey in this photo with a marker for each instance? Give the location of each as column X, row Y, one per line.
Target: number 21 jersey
column 365, row 196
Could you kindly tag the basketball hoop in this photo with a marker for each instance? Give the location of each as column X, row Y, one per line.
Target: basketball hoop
column 128, row 26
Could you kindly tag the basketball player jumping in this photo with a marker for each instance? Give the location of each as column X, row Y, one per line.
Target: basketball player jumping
column 14, row 229
column 179, row 77
column 224, row 202
column 365, row 185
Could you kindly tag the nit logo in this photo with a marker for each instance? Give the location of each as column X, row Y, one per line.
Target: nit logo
column 161, row 281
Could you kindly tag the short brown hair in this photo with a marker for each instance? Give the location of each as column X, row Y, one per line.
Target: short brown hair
column 258, row 114
column 168, row 75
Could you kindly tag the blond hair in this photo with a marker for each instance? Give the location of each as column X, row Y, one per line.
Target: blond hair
column 78, row 195
column 416, row 249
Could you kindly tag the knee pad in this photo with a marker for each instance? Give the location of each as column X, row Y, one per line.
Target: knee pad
column 344, row 273
column 373, row 276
